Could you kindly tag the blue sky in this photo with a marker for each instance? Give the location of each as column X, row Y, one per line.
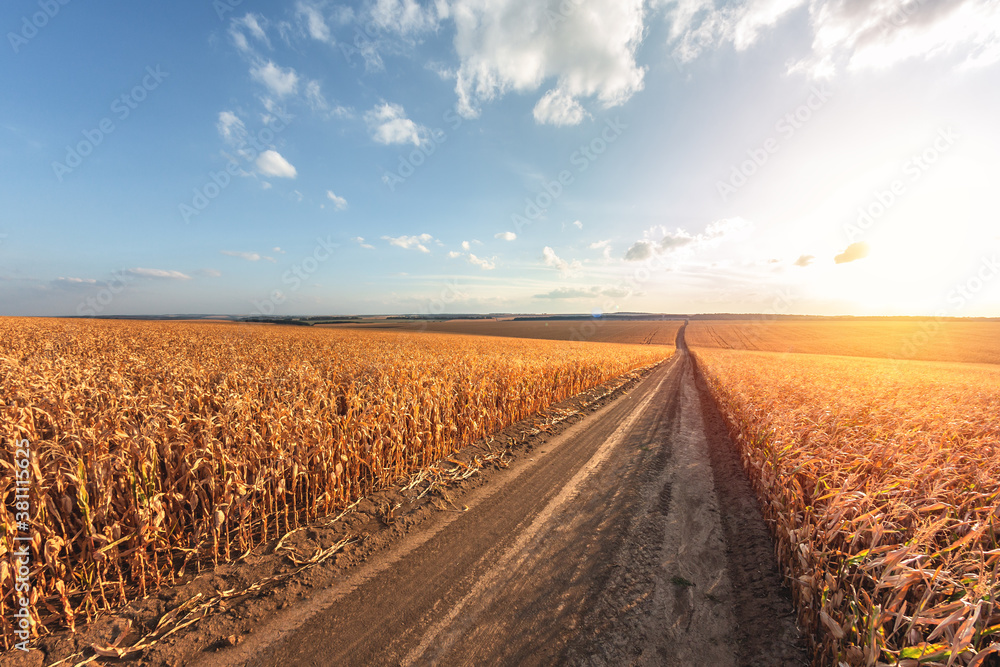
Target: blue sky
column 395, row 156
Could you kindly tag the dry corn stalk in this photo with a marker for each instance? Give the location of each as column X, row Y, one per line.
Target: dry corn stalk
column 881, row 483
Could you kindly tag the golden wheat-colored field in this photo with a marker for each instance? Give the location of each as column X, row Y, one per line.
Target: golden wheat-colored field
column 601, row 330
column 881, row 482
column 923, row 340
column 159, row 447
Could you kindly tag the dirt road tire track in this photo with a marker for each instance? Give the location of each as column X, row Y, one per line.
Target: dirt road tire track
column 627, row 539
column 766, row 628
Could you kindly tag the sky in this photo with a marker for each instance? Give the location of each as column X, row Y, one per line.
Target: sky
column 484, row 156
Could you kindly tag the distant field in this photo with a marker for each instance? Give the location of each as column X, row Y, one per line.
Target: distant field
column 919, row 340
column 661, row 332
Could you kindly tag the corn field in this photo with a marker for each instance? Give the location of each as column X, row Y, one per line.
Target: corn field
column 162, row 448
column 905, row 339
column 881, row 484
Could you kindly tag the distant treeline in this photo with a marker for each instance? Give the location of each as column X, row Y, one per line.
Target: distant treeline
column 440, row 318
column 645, row 317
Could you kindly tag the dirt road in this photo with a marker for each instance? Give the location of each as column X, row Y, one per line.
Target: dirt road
column 630, row 538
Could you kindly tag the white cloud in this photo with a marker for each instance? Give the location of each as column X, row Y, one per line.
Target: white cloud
column 444, row 72
column 338, row 202
column 569, row 293
column 677, row 239
column 410, row 242
column 640, row 251
column 240, row 40
column 158, row 273
column 518, row 45
column 315, row 98
column 277, row 250
column 280, row 81
column 250, row 23
column 272, row 110
column 84, row 281
column 248, row 256
column 578, row 224
column 697, row 25
column 505, row 236
column 587, row 292
column 852, row 34
column 271, row 163
column 360, row 240
column 659, row 240
column 805, row 260
column 388, row 125
column 315, row 23
column 481, row 262
column 879, row 36
column 344, row 15
column 668, row 241
column 558, row 108
column 253, row 23
column 604, row 246
column 721, row 229
column 231, row 128
column 853, row 253
column 553, row 260
column 406, row 17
